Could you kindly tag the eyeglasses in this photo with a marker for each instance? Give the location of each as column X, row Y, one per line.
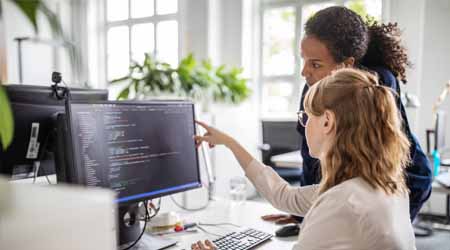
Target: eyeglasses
column 302, row 117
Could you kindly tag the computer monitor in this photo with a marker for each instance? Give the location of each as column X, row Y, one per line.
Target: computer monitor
column 34, row 109
column 142, row 150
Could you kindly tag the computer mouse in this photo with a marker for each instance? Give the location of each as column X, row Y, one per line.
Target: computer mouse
column 287, row 231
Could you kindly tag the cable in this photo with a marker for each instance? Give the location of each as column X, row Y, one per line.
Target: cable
column 149, row 216
column 48, row 180
column 37, row 163
column 36, row 166
column 156, row 210
column 46, row 176
column 143, row 230
column 189, row 209
column 60, row 93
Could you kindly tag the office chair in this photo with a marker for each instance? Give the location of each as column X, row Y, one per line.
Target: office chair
column 439, row 137
column 281, row 137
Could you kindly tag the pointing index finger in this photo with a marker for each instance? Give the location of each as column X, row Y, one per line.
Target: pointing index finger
column 204, row 125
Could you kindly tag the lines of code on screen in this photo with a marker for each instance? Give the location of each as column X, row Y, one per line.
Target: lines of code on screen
column 136, row 149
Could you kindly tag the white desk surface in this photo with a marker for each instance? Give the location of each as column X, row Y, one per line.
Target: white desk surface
column 288, row 160
column 247, row 214
column 438, row 188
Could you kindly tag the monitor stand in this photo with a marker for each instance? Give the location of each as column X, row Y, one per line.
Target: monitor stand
column 130, row 229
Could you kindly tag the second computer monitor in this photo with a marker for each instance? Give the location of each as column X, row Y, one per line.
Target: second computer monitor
column 140, row 150
column 35, row 109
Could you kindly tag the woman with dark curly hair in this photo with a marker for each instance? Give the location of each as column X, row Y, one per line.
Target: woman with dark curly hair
column 337, row 37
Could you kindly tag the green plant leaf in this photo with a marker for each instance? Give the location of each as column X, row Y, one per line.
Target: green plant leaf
column 6, row 120
column 200, row 81
column 119, row 80
column 124, row 94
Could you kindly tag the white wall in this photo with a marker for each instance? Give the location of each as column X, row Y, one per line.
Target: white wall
column 3, row 69
column 436, row 62
column 425, row 26
column 38, row 60
column 410, row 18
column 225, row 36
column 435, row 74
column 427, row 37
column 194, row 28
column 16, row 25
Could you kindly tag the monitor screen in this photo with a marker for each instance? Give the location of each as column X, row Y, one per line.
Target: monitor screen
column 35, row 109
column 140, row 150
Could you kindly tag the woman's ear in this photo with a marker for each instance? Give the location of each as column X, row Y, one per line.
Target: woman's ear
column 349, row 61
column 329, row 121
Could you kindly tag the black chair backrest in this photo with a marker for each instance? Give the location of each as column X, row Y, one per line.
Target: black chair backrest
column 441, row 126
column 281, row 136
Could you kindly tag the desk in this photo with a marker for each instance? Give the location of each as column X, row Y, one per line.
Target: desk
column 288, row 160
column 247, row 214
column 437, row 187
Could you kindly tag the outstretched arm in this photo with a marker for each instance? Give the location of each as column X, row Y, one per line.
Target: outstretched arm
column 215, row 137
column 294, row 200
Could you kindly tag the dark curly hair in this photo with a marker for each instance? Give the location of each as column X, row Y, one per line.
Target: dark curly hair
column 346, row 35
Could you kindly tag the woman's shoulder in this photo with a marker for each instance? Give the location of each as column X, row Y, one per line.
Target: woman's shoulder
column 359, row 197
column 386, row 77
column 345, row 192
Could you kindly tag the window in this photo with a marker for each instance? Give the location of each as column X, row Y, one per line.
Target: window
column 282, row 29
column 136, row 27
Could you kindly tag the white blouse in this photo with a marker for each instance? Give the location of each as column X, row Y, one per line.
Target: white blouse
column 351, row 215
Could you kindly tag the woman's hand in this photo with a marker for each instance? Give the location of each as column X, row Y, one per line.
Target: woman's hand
column 280, row 219
column 200, row 246
column 216, row 137
column 212, row 136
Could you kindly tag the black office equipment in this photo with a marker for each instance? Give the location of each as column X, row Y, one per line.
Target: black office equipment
column 280, row 137
column 142, row 150
column 287, row 231
column 439, row 138
column 437, row 133
column 34, row 109
column 243, row 240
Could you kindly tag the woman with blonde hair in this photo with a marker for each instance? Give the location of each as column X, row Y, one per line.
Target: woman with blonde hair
column 361, row 202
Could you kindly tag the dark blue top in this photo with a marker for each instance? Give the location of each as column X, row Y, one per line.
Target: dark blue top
column 419, row 174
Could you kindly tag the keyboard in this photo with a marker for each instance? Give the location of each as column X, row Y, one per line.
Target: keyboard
column 242, row 240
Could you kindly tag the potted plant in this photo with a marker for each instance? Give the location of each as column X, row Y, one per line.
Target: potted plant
column 6, row 120
column 200, row 81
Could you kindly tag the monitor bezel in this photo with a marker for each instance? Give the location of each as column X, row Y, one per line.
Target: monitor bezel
column 80, row 177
